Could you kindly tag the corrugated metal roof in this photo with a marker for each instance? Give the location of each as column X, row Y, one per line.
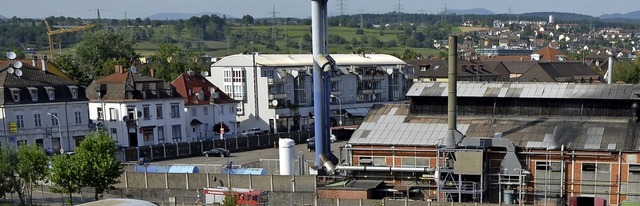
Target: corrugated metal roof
column 529, row 90
column 525, row 131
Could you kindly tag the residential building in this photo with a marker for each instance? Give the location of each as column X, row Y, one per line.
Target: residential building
column 436, row 70
column 39, row 107
column 275, row 90
column 137, row 110
column 207, row 107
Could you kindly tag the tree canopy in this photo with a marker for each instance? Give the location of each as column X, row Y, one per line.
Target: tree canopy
column 97, row 163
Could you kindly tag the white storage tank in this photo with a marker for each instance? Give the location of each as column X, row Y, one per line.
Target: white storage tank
column 286, row 154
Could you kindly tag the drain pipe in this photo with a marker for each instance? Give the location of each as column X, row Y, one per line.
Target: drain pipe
column 384, row 169
column 619, row 179
column 562, row 173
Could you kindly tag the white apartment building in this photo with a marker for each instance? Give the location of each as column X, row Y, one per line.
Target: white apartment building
column 206, row 106
column 42, row 108
column 278, row 87
column 137, row 110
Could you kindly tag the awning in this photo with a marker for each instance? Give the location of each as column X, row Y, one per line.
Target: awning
column 195, row 122
column 358, row 112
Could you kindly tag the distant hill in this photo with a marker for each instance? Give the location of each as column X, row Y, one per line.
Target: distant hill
column 2, row 17
column 174, row 16
column 478, row 11
column 559, row 16
column 630, row 15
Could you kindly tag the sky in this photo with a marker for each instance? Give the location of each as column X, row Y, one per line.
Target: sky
column 119, row 9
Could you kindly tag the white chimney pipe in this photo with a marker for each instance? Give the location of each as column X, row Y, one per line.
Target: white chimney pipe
column 610, row 71
column 44, row 63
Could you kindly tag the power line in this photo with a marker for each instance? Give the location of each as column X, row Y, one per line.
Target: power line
column 341, row 8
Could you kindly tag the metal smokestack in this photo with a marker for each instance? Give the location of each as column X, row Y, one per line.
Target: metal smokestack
column 450, row 140
column 610, row 71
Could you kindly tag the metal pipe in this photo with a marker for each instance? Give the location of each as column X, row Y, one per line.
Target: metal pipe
column 573, row 153
column 384, row 169
column 573, row 172
column 387, row 149
column 619, row 179
column 450, row 142
column 562, row 172
column 610, row 71
column 318, row 89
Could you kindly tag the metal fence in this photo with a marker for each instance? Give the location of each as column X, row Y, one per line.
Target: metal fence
column 188, row 149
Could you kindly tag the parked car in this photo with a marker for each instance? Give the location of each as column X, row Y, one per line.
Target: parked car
column 252, row 131
column 311, row 142
column 217, row 152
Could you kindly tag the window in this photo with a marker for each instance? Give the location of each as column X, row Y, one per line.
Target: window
column 238, row 91
column 131, row 113
column 20, row 121
column 372, row 161
column 100, row 113
column 74, row 92
column 34, row 93
column 231, row 110
column 113, row 115
column 159, row 111
column 54, row 118
column 238, row 75
column 415, row 162
column 205, row 111
column 114, row 134
column 227, row 76
column 15, row 93
column 592, row 175
column 145, row 111
column 51, row 93
column 547, row 177
column 160, row 134
column 175, row 111
column 176, row 132
column 194, row 111
column 37, row 120
column 78, row 115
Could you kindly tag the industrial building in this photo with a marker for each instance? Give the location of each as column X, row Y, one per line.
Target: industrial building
column 515, row 142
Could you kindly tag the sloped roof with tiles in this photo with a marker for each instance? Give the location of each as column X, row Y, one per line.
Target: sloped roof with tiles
column 188, row 85
column 34, row 79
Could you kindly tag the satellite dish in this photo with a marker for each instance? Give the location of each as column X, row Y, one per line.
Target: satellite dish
column 17, row 64
column 18, row 72
column 274, row 102
column 10, row 70
column 204, row 73
column 11, row 55
column 125, row 118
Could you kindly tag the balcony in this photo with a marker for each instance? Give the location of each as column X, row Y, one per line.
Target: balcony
column 131, row 122
column 277, row 96
column 336, row 93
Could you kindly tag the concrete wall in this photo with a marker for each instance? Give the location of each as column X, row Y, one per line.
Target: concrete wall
column 278, row 183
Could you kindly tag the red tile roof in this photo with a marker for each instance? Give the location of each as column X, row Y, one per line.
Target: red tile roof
column 187, row 85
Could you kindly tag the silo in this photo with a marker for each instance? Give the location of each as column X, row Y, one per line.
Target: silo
column 285, row 153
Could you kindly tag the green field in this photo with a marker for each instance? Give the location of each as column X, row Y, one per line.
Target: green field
column 294, row 33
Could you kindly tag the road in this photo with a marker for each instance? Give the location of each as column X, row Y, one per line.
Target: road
column 251, row 156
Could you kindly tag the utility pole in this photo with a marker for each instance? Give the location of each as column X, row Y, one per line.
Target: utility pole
column 399, row 11
column 341, row 8
column 274, row 36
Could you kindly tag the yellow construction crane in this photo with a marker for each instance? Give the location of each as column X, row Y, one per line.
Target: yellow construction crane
column 51, row 33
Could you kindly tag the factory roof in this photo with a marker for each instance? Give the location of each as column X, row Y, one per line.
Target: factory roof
column 394, row 125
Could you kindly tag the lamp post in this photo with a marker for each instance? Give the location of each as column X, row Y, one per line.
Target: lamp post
column 221, row 125
column 59, row 128
column 339, row 108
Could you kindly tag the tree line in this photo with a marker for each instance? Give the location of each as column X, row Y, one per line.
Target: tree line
column 93, row 164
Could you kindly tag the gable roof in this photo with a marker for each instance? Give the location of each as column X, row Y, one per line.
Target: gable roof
column 187, row 85
column 550, row 54
column 440, row 68
column 126, row 85
column 575, row 70
column 34, row 78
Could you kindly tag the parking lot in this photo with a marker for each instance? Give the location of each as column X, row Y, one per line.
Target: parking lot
column 247, row 157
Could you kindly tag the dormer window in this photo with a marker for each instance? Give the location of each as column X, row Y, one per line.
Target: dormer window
column 74, row 92
column 51, row 93
column 15, row 93
column 34, row 93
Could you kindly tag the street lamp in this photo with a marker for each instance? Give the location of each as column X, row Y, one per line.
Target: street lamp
column 221, row 125
column 339, row 108
column 59, row 128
